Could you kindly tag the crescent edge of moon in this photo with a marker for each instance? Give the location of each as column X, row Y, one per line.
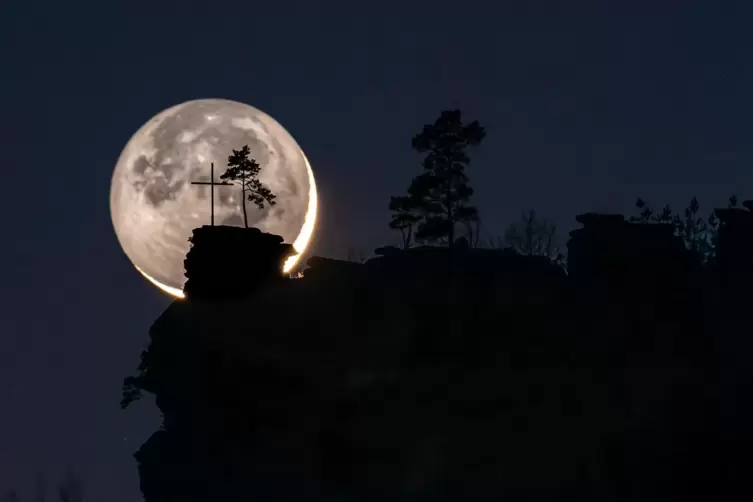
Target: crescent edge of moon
column 300, row 243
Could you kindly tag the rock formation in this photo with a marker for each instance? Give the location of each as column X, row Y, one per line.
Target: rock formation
column 435, row 374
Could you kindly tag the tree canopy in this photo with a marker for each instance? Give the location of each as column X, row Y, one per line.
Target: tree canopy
column 533, row 236
column 698, row 234
column 439, row 197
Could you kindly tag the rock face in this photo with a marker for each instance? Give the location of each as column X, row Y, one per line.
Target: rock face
column 227, row 263
column 734, row 284
column 434, row 374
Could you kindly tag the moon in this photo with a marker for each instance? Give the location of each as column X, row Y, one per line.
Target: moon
column 154, row 207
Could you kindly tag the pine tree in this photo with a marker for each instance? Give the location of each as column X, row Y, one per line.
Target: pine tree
column 440, row 195
column 245, row 172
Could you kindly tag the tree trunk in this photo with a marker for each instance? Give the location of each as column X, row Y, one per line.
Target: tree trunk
column 243, row 203
column 451, row 236
column 450, row 222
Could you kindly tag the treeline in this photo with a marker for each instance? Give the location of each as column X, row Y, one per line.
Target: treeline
column 437, row 207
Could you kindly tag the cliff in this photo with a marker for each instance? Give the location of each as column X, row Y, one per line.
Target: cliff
column 231, row 262
column 433, row 375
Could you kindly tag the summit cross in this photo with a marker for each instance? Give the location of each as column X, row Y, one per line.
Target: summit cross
column 211, row 184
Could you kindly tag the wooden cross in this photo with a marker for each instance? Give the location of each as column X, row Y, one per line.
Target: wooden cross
column 211, row 184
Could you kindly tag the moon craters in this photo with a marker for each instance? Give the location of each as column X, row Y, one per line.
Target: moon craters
column 155, row 207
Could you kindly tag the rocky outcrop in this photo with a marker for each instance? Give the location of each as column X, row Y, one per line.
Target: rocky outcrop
column 226, row 263
column 427, row 374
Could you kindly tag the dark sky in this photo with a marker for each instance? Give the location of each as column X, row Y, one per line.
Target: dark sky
column 586, row 104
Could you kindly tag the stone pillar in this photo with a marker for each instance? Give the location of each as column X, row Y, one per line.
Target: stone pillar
column 228, row 263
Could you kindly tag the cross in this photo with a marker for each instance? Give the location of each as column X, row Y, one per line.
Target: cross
column 212, row 184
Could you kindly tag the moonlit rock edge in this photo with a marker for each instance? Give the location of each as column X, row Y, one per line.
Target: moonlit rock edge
column 228, row 263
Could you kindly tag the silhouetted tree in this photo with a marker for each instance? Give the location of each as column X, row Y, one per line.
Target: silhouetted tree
column 533, row 237
column 647, row 214
column 245, row 172
column 404, row 218
column 473, row 229
column 71, row 488
column 698, row 234
column 356, row 257
column 440, row 195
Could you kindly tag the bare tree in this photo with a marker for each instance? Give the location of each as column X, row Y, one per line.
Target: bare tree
column 473, row 230
column 533, row 237
column 71, row 488
column 359, row 257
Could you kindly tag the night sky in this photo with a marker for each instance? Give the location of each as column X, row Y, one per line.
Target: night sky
column 587, row 105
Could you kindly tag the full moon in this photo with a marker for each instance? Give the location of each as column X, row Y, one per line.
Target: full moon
column 154, row 207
